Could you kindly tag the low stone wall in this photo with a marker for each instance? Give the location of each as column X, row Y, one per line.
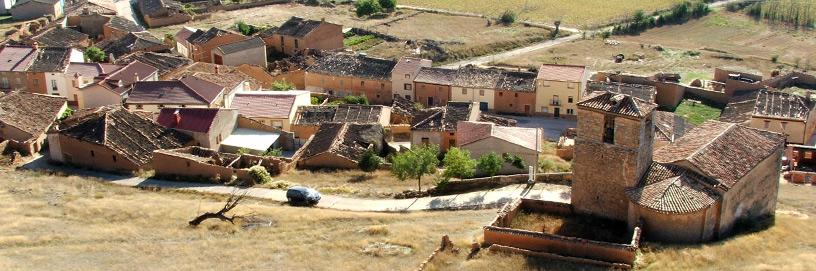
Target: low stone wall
column 456, row 186
column 718, row 98
column 567, row 248
column 363, row 32
column 178, row 18
column 196, row 164
column 247, row 5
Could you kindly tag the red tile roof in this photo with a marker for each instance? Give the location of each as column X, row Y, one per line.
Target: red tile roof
column 188, row 119
column 569, row 73
column 264, row 105
column 469, row 132
column 16, row 58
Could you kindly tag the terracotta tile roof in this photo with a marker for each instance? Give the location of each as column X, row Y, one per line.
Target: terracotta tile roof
column 127, row 76
column 436, row 76
column 91, row 70
column 722, row 151
column 130, row 135
column 501, row 121
column 250, row 104
column 31, row 113
column 621, row 104
column 352, row 113
column 468, row 132
column 442, row 118
column 123, row 24
column 517, row 81
column 51, row 59
column 670, row 127
column 132, row 42
column 201, row 37
column 79, row 7
column 473, row 77
column 16, row 58
column 403, row 106
column 359, row 66
column 673, row 189
column 225, row 76
column 347, row 140
column 643, row 92
column 766, row 104
column 60, row 37
column 295, row 27
column 185, row 91
column 184, row 33
column 550, row 72
column 188, row 119
column 314, row 115
column 241, row 45
column 164, row 62
column 227, row 80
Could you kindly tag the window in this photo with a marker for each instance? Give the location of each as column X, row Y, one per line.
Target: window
column 808, row 155
column 114, row 158
column 36, row 82
column 569, row 99
column 93, row 154
column 160, row 106
column 555, row 100
column 464, row 91
column 4, row 83
column 183, row 105
column 515, row 95
column 426, row 140
column 481, row 92
column 407, row 76
column 297, row 45
column 545, row 109
column 408, row 97
column 188, row 163
column 382, row 86
column 138, row 106
column 362, row 83
column 766, row 124
column 451, row 142
column 407, row 86
column 570, row 111
column 609, row 129
column 501, row 94
column 784, row 125
column 511, row 105
column 281, row 38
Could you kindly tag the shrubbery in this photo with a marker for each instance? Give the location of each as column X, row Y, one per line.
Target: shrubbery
column 458, row 164
column 507, row 17
column 94, row 54
column 367, row 7
column 679, row 13
column 370, row 161
column 259, row 174
column 489, row 164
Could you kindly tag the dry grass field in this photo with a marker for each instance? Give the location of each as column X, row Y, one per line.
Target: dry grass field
column 693, row 49
column 71, row 223
column 574, row 12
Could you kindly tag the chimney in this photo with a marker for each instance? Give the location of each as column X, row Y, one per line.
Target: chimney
column 135, row 77
column 177, row 114
column 36, row 45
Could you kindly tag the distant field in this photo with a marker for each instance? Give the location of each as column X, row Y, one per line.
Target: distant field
column 572, row 12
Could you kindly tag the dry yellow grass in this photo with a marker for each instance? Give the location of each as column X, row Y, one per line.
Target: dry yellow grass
column 573, row 12
column 71, row 223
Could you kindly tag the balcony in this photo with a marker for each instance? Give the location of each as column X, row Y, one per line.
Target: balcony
column 555, row 102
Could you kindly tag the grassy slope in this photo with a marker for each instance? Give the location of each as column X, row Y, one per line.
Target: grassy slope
column 697, row 113
column 70, row 223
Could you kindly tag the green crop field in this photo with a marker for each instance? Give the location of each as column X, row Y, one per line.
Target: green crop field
column 574, row 13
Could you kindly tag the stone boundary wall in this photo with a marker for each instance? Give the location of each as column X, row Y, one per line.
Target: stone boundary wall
column 180, row 164
column 363, row 32
column 706, row 95
column 556, row 257
column 455, row 186
column 247, row 5
column 498, row 233
column 178, row 18
column 803, row 177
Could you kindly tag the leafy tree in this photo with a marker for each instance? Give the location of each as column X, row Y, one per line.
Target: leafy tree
column 94, row 54
column 367, row 7
column 514, row 160
column 67, row 113
column 259, row 174
column 370, row 161
column 489, row 164
column 507, row 17
column 316, row 101
column 243, row 151
column 415, row 163
column 353, row 99
column 388, row 4
column 282, row 85
column 458, row 164
column 246, row 29
column 276, row 152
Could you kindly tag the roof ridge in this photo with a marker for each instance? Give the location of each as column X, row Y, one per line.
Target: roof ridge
column 716, row 138
column 198, row 95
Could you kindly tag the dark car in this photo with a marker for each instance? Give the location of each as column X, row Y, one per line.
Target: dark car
column 299, row 195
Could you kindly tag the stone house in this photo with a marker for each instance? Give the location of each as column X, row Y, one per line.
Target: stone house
column 264, row 78
column 131, row 43
column 110, row 85
column 775, row 111
column 157, row 13
column 118, row 27
column 207, row 126
column 111, row 139
column 559, row 88
column 166, row 63
column 249, row 51
column 46, row 75
column 14, row 61
column 34, row 9
column 644, row 92
column 26, row 117
column 80, row 75
column 60, row 37
column 297, row 34
column 346, row 74
column 516, row 93
column 308, row 118
column 735, row 79
column 152, row 96
column 404, row 74
column 477, row 85
column 200, row 44
column 273, row 108
column 207, row 165
column 438, row 125
column 668, row 89
column 340, row 145
column 481, row 138
column 89, row 16
column 432, row 86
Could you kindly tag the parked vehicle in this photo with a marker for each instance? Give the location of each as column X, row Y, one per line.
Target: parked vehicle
column 299, row 195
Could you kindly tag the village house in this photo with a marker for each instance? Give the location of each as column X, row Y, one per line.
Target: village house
column 200, row 44
column 438, row 125
column 207, row 126
column 668, row 89
column 404, row 74
column 118, row 27
column 516, row 93
column 111, row 86
column 111, row 139
column 156, row 13
column 131, row 43
column 181, row 38
column 26, row 117
column 559, row 88
column 250, row 136
column 781, row 112
column 309, row 118
column 225, row 76
column 34, row 9
column 481, row 138
column 60, row 37
column 207, row 165
column 735, row 79
column 89, row 17
column 477, row 85
column 345, row 74
column 80, row 75
column 273, row 108
column 152, row 96
column 297, row 34
column 14, row 61
column 46, row 75
column 340, row 145
column 644, row 92
column 266, row 80
column 164, row 62
column 248, row 51
column 432, row 86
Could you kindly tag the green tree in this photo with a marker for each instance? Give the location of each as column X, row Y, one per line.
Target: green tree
column 370, row 161
column 458, row 164
column 282, row 85
column 415, row 163
column 94, row 54
column 489, row 164
column 353, row 99
column 316, row 101
column 367, row 7
column 388, row 4
column 275, row 152
column 507, row 17
column 67, row 113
